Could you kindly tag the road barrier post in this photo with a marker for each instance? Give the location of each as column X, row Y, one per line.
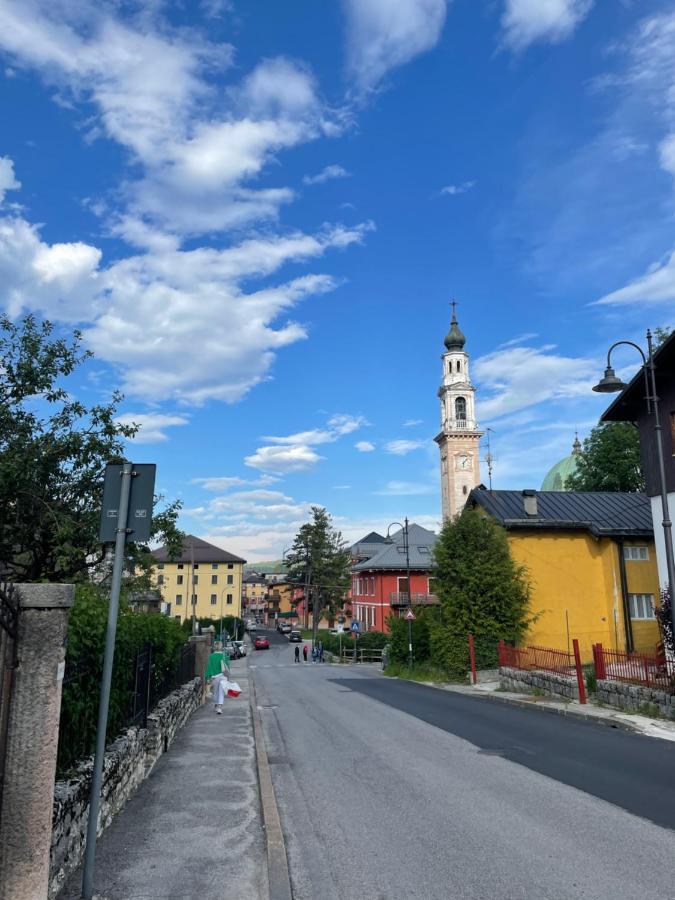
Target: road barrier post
column 580, row 674
column 472, row 658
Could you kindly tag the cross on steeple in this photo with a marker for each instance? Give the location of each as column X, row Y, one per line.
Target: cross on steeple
column 454, row 304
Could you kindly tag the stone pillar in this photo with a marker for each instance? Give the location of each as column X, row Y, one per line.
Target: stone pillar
column 202, row 651
column 32, row 741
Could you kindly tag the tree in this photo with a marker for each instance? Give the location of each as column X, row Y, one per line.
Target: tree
column 481, row 589
column 609, row 460
column 320, row 556
column 53, row 453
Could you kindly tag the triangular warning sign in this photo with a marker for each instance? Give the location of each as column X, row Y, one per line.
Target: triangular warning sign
column 410, row 616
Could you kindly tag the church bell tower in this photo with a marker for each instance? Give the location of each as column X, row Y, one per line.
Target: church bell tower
column 459, row 437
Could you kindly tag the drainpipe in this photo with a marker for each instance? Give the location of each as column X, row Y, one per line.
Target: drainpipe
column 624, row 598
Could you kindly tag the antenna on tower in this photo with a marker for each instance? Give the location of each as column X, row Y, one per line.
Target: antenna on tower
column 489, row 458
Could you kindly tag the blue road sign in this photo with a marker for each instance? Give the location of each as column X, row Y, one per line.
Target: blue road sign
column 355, row 626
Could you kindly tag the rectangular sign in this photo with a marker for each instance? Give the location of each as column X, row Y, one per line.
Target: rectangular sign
column 139, row 520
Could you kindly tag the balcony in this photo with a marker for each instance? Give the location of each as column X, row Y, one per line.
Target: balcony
column 460, row 425
column 405, row 599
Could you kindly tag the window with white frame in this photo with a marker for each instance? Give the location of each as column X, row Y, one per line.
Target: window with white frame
column 640, row 554
column 641, row 606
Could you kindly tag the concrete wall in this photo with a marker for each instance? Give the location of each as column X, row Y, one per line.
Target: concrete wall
column 547, row 682
column 128, row 761
column 634, row 697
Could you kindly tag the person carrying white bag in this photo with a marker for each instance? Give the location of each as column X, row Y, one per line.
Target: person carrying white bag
column 222, row 687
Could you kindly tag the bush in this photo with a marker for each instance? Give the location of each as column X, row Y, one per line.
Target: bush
column 84, row 668
column 398, row 638
column 370, row 640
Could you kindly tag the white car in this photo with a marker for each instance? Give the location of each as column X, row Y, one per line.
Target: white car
column 241, row 646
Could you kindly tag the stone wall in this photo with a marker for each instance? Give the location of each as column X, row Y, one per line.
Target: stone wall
column 128, row 761
column 535, row 680
column 634, row 698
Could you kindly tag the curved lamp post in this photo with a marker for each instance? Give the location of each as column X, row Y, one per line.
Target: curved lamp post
column 406, row 544
column 610, row 384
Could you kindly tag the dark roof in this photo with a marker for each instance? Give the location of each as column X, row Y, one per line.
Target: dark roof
column 368, row 546
column 199, row 550
column 391, row 553
column 254, row 579
column 629, row 406
column 603, row 514
column 372, row 538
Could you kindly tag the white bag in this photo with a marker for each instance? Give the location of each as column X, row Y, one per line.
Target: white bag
column 232, row 689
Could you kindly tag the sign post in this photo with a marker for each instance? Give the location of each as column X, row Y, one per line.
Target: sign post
column 124, row 503
column 410, row 618
column 355, row 628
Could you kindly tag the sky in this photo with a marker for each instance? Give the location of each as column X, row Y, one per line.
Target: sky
column 257, row 214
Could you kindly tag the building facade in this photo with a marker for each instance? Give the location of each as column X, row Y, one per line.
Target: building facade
column 379, row 576
column 254, row 596
column 459, row 438
column 591, row 563
column 203, row 580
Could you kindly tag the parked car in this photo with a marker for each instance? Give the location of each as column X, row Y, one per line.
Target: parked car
column 232, row 650
column 251, row 627
column 241, row 646
column 285, row 628
column 295, row 637
column 261, row 643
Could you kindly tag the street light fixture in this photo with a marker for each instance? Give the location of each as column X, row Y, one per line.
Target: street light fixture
column 610, row 384
column 406, row 544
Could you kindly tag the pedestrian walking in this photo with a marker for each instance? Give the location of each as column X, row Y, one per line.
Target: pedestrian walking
column 304, row 653
column 315, row 654
column 216, row 674
column 297, row 653
column 320, row 651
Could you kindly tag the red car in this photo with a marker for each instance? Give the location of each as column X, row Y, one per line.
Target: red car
column 261, row 643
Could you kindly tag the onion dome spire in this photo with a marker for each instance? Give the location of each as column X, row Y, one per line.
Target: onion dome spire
column 454, row 339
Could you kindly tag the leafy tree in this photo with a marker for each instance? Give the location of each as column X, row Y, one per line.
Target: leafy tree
column 53, row 453
column 482, row 592
column 664, row 618
column 661, row 335
column 319, row 554
column 609, row 460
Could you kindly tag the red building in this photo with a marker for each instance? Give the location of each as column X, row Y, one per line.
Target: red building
column 379, row 576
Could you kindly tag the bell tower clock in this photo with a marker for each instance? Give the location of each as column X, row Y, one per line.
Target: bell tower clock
column 459, row 437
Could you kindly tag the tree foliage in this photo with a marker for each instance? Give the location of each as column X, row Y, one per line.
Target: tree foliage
column 481, row 589
column 609, row 460
column 53, row 453
column 320, row 554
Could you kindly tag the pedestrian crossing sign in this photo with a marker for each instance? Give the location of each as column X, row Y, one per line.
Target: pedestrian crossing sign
column 355, row 627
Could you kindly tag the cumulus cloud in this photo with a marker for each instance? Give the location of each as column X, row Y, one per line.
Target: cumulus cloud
column 527, row 21
column 151, row 426
column 382, row 35
column 8, row 181
column 338, row 425
column 454, row 189
column 283, row 459
column 364, row 446
column 327, row 174
column 294, row 453
column 657, row 285
column 402, row 447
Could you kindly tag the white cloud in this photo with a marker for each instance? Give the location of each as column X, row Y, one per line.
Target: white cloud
column 518, row 377
column 283, row 459
column 327, row 174
column 364, row 446
column 338, row 425
column 454, row 189
column 410, row 423
column 407, row 489
column 657, row 285
column 527, row 21
column 382, row 35
column 519, row 339
column 403, row 447
column 151, row 425
column 218, row 483
column 8, row 181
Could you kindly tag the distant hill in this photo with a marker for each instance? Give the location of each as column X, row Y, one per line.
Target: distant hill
column 274, row 566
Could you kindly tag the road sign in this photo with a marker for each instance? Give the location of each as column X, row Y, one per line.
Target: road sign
column 355, row 627
column 410, row 616
column 139, row 518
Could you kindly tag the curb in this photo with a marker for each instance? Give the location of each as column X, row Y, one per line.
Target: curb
column 278, row 876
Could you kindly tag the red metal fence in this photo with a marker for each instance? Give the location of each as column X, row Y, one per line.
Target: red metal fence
column 636, row 668
column 545, row 659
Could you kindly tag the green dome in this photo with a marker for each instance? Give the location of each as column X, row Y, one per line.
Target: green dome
column 454, row 339
column 557, row 476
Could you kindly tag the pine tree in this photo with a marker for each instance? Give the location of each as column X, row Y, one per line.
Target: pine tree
column 482, row 592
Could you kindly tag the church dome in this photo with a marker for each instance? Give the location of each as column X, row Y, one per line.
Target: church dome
column 557, row 476
column 454, row 339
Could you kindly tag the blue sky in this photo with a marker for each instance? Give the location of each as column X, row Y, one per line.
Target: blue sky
column 257, row 213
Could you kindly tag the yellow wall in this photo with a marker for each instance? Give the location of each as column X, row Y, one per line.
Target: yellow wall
column 204, row 589
column 642, row 578
column 576, row 579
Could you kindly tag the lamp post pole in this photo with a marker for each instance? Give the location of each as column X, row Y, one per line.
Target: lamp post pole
column 406, row 545
column 610, row 384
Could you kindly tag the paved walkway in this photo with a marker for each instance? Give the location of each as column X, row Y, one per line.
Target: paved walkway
column 193, row 829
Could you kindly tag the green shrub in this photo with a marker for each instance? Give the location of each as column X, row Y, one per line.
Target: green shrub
column 398, row 637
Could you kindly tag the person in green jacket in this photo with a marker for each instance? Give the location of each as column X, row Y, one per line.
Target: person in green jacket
column 218, row 664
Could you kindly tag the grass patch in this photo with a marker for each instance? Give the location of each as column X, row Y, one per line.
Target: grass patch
column 421, row 672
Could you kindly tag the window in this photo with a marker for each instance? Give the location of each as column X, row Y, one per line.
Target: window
column 423, row 550
column 229, row 599
column 214, row 579
column 230, row 565
column 160, row 565
column 195, row 566
column 214, row 565
column 179, row 599
column 459, row 366
column 214, row 599
column 230, row 579
column 460, row 408
column 195, row 579
column 179, row 579
column 180, row 565
column 160, row 579
column 641, row 606
column 177, row 618
column 636, row 553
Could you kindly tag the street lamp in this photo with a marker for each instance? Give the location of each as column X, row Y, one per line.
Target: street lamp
column 406, row 544
column 610, row 384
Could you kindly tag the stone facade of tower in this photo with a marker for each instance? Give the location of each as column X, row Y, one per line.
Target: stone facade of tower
column 459, row 437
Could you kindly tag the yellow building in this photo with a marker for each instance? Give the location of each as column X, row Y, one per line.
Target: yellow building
column 280, row 595
column 203, row 579
column 591, row 563
column 254, row 595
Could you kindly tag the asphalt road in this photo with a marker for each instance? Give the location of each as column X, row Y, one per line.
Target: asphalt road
column 389, row 790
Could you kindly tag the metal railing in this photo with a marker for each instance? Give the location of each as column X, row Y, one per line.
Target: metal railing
column 635, row 668
column 365, row 655
column 402, row 598
column 545, row 659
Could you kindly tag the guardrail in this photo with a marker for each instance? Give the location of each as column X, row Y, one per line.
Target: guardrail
column 634, row 668
column 364, row 655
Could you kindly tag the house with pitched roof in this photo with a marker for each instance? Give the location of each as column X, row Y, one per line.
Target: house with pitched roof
column 591, row 562
column 379, row 576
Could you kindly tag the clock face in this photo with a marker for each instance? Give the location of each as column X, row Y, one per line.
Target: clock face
column 463, row 462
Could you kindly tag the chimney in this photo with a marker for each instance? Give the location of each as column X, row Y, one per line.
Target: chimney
column 530, row 503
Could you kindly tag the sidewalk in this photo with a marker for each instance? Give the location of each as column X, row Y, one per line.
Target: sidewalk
column 194, row 827
column 603, row 715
